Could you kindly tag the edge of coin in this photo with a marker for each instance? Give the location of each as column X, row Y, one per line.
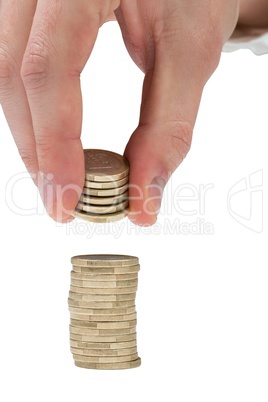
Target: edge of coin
column 109, row 366
column 109, row 218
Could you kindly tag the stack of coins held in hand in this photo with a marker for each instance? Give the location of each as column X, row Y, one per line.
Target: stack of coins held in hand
column 105, row 192
column 102, row 311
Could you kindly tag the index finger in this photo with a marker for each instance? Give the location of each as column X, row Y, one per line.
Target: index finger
column 62, row 38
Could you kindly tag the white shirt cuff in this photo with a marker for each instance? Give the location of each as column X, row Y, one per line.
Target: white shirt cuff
column 254, row 39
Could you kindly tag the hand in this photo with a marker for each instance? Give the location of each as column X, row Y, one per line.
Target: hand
column 44, row 46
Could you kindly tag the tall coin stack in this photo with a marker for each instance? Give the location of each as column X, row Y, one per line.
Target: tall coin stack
column 105, row 192
column 102, row 311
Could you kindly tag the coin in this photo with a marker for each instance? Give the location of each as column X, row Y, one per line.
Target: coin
column 101, row 305
column 103, row 277
column 98, row 218
column 99, row 340
column 93, row 332
column 95, row 192
column 78, row 324
column 108, row 366
column 105, row 359
column 103, row 166
column 106, row 270
column 112, row 332
column 103, row 318
column 106, row 284
column 106, row 311
column 105, row 209
column 103, row 352
column 101, row 298
column 113, row 200
column 106, row 184
column 104, row 260
column 103, row 291
column 104, row 345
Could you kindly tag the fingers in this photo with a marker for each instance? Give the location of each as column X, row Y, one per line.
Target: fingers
column 62, row 37
column 44, row 46
column 13, row 40
column 171, row 98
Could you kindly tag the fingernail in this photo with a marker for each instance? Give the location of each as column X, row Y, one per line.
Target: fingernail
column 47, row 191
column 156, row 190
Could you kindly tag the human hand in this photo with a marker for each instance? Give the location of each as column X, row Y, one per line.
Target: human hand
column 177, row 43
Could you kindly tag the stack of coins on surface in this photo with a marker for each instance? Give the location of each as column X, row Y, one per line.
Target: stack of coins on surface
column 103, row 313
column 105, row 192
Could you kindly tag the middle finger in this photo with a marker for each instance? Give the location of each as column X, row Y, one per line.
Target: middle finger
column 16, row 18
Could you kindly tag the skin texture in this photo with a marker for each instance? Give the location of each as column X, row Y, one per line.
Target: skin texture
column 176, row 43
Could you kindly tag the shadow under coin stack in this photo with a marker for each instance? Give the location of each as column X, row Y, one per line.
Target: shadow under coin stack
column 105, row 192
column 103, row 313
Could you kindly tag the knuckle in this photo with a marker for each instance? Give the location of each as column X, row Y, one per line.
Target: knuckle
column 35, row 64
column 179, row 140
column 7, row 69
column 45, row 148
column 28, row 157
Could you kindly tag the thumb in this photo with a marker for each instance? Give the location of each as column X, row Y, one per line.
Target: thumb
column 170, row 102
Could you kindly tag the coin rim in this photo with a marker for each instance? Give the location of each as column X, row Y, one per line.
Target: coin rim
column 102, row 210
column 108, row 366
column 100, row 185
column 105, row 192
column 122, row 260
column 102, row 359
column 117, row 216
column 113, row 200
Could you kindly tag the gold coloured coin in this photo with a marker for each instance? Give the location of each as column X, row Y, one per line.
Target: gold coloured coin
column 101, row 305
column 99, row 333
column 103, row 166
column 103, row 352
column 102, row 298
column 78, row 324
column 105, row 209
column 104, row 260
column 103, row 277
column 105, row 345
column 106, row 184
column 107, row 311
column 105, row 359
column 103, row 339
column 106, row 270
column 108, row 366
column 113, row 332
column 103, row 291
column 116, row 199
column 86, row 216
column 103, row 318
column 105, row 284
column 105, row 192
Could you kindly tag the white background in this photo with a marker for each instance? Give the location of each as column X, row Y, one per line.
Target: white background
column 202, row 301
